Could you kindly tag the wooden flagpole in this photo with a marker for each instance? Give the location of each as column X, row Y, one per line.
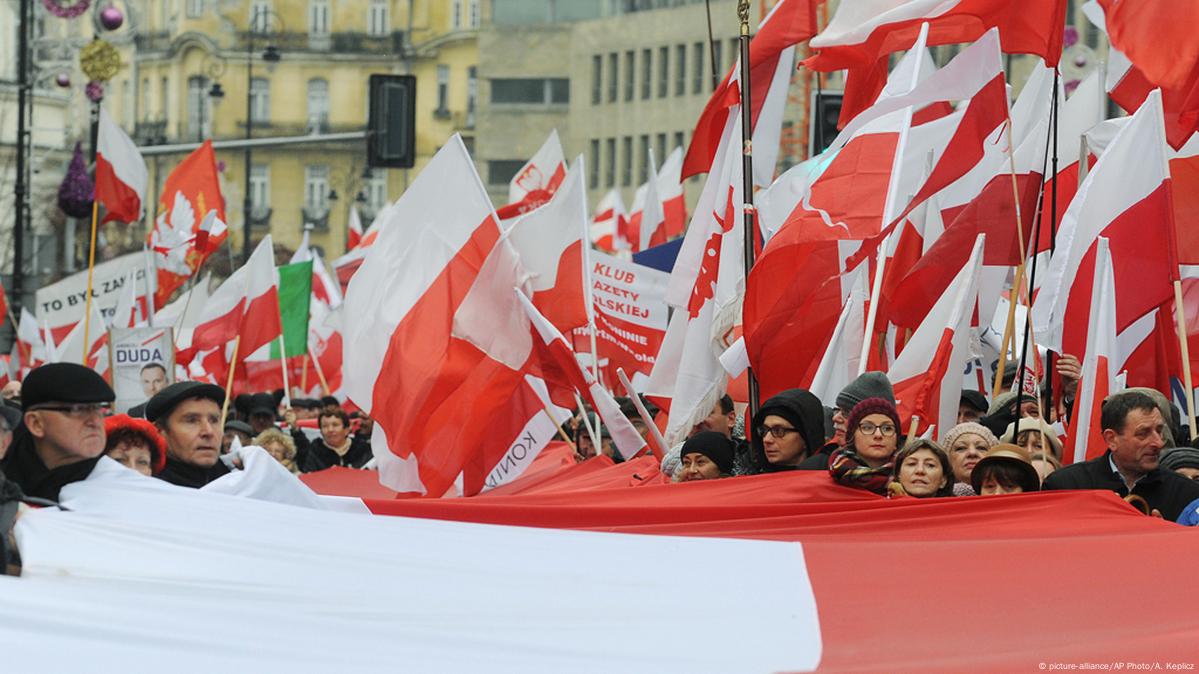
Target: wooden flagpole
column 304, row 375
column 91, row 270
column 1180, row 319
column 229, row 381
column 659, row 442
column 316, row 365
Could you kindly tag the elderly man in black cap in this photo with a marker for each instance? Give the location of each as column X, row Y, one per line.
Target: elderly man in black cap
column 188, row 414
column 62, row 431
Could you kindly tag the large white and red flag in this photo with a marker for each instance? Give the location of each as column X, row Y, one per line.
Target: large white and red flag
column 840, row 364
column 30, row 345
column 353, row 229
column 771, row 61
column 927, row 373
column 1099, row 364
column 559, row 367
column 670, row 192
column 537, row 180
column 551, row 242
column 93, row 353
column 1125, row 198
column 608, row 223
column 439, row 360
column 246, row 305
column 862, row 33
column 191, row 197
column 647, row 222
column 121, row 174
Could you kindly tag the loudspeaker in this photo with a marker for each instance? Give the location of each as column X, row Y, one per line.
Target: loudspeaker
column 391, row 125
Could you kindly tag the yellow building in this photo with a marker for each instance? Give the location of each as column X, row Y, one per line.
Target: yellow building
column 200, row 69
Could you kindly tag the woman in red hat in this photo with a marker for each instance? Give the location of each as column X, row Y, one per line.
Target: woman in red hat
column 872, row 436
column 134, row 443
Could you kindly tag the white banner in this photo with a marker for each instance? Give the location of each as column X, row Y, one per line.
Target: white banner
column 143, row 363
column 61, row 304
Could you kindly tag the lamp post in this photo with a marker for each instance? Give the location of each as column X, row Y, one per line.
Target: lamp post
column 213, row 67
column 260, row 17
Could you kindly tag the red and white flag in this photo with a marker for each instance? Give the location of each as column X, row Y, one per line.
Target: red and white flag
column 863, row 33
column 551, row 242
column 1098, row 364
column 609, row 223
column 840, row 364
column 246, row 305
column 191, row 198
column 927, row 373
column 72, row 348
column 559, row 367
column 670, row 192
column 647, row 222
column 121, row 174
column 353, row 229
column 30, row 344
column 1126, row 198
column 537, row 180
column 771, row 62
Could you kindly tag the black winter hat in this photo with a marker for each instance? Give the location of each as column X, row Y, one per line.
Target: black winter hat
column 867, row 385
column 64, row 383
column 801, row 409
column 976, row 400
column 712, row 445
column 167, row 399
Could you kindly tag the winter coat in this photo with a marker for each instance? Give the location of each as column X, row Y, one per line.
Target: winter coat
column 183, row 474
column 22, row 465
column 803, row 410
column 320, row 456
column 1162, row 489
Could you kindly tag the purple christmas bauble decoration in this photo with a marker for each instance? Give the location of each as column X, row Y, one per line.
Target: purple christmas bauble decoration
column 1070, row 37
column 63, row 80
column 75, row 192
column 94, row 91
column 220, row 166
column 111, row 18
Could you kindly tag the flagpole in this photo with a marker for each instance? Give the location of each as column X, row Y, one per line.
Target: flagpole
column 659, row 442
column 146, row 261
column 91, row 270
column 592, row 431
column 229, row 381
column 712, row 47
column 749, row 221
column 1180, row 318
column 283, row 364
column 304, row 376
column 316, row 364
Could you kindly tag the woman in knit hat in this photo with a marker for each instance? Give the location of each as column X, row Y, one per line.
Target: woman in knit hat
column 967, row 443
column 707, row 455
column 1182, row 460
column 871, row 437
column 1027, row 433
column 135, row 444
column 922, row 470
column 788, row 428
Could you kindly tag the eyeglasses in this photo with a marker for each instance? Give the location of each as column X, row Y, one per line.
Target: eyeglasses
column 867, row 428
column 77, row 410
column 776, row 431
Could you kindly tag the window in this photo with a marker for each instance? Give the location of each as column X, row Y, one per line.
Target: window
column 316, row 188
column 197, row 97
column 612, row 76
column 376, row 189
column 626, row 161
column 717, row 54
column 195, row 9
column 260, row 99
column 502, row 171
column 610, row 162
column 472, row 94
column 378, row 18
column 164, row 100
column 145, row 111
column 318, row 103
column 678, row 140
column 530, row 91
column 697, row 81
column 456, row 21
column 734, row 50
column 443, row 88
column 593, row 179
column 260, row 16
column 643, row 171
column 475, row 17
column 597, row 79
column 628, row 75
column 660, row 150
column 647, row 73
column 260, row 187
column 318, row 18
column 663, row 71
column 680, row 82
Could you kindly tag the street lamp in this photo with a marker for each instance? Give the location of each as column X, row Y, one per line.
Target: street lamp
column 260, row 17
column 213, row 67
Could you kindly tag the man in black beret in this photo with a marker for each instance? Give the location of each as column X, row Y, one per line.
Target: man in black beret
column 62, row 431
column 188, row 414
column 262, row 412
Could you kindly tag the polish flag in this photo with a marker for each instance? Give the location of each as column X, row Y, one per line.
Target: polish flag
column 439, row 360
column 95, row 356
column 559, row 367
column 245, row 305
column 353, row 229
column 647, row 222
column 30, row 345
column 862, row 33
column 1126, row 198
column 551, row 244
column 121, row 174
column 927, row 373
column 771, row 62
column 324, row 289
column 1098, row 364
column 670, row 192
column 608, row 222
column 840, row 364
column 537, row 180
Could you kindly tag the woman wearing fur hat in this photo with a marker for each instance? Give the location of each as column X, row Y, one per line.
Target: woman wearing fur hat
column 871, row 437
column 134, row 443
column 788, row 428
column 967, row 443
column 922, row 470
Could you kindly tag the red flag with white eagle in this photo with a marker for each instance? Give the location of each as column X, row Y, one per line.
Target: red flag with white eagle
column 927, row 373
column 191, row 221
column 1098, row 364
column 863, row 33
column 121, row 174
column 551, row 242
column 439, row 360
column 537, row 180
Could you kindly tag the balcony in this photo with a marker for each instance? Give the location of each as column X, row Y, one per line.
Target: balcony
column 150, row 132
column 318, row 217
column 391, row 44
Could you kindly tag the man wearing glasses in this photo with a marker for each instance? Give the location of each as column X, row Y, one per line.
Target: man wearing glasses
column 62, row 431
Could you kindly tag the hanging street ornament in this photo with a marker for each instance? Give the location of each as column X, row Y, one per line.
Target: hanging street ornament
column 111, row 18
column 63, row 80
column 94, row 91
column 66, row 11
column 99, row 60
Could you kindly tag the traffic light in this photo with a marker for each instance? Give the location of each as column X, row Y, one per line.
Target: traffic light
column 391, row 125
column 826, row 108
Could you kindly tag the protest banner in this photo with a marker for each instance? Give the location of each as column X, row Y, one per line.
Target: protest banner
column 630, row 314
column 143, row 363
column 60, row 305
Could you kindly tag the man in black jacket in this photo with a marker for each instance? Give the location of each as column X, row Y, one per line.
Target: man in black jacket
column 188, row 414
column 1133, row 429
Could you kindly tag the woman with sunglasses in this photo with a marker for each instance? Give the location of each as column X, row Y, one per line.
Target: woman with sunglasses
column 871, row 438
column 786, row 430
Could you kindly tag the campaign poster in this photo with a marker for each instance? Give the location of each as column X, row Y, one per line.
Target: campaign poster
column 143, row 363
